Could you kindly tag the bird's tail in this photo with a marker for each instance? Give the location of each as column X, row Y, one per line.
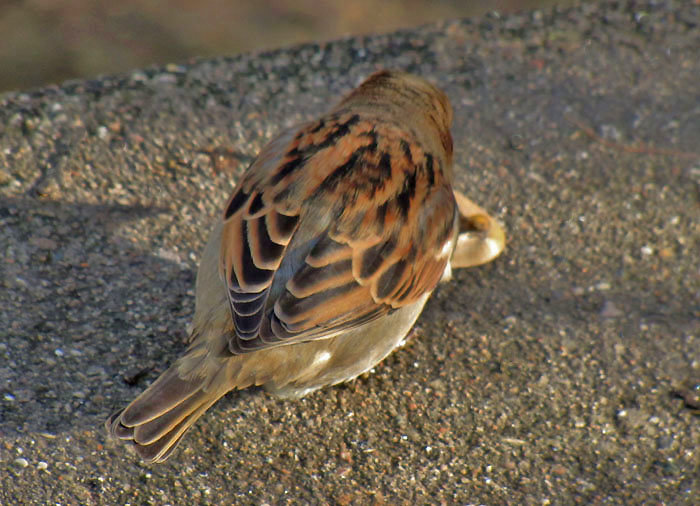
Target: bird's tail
column 157, row 419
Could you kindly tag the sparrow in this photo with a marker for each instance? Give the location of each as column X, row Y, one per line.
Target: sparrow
column 323, row 258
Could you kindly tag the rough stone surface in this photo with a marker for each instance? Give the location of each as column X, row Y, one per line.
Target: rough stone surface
column 568, row 371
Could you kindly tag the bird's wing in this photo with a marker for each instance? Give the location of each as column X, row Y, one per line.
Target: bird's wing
column 371, row 213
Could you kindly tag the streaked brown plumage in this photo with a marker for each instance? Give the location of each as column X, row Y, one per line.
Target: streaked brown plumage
column 326, row 254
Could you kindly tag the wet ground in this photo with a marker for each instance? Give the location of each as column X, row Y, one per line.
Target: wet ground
column 566, row 371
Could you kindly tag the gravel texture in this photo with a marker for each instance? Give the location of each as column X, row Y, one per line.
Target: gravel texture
column 567, row 371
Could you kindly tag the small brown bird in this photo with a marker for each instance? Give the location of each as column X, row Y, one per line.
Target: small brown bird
column 324, row 257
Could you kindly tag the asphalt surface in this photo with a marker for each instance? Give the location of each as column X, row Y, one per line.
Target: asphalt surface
column 567, row 371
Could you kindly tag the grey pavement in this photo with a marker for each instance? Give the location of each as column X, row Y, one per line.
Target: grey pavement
column 567, row 371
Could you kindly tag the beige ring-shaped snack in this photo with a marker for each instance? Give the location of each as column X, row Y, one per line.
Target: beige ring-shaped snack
column 481, row 238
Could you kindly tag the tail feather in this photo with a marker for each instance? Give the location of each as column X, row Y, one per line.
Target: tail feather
column 153, row 430
column 158, row 418
column 168, row 391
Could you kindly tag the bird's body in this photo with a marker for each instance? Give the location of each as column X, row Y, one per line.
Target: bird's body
column 325, row 256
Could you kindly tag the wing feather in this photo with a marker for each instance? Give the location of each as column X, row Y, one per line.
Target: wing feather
column 393, row 218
